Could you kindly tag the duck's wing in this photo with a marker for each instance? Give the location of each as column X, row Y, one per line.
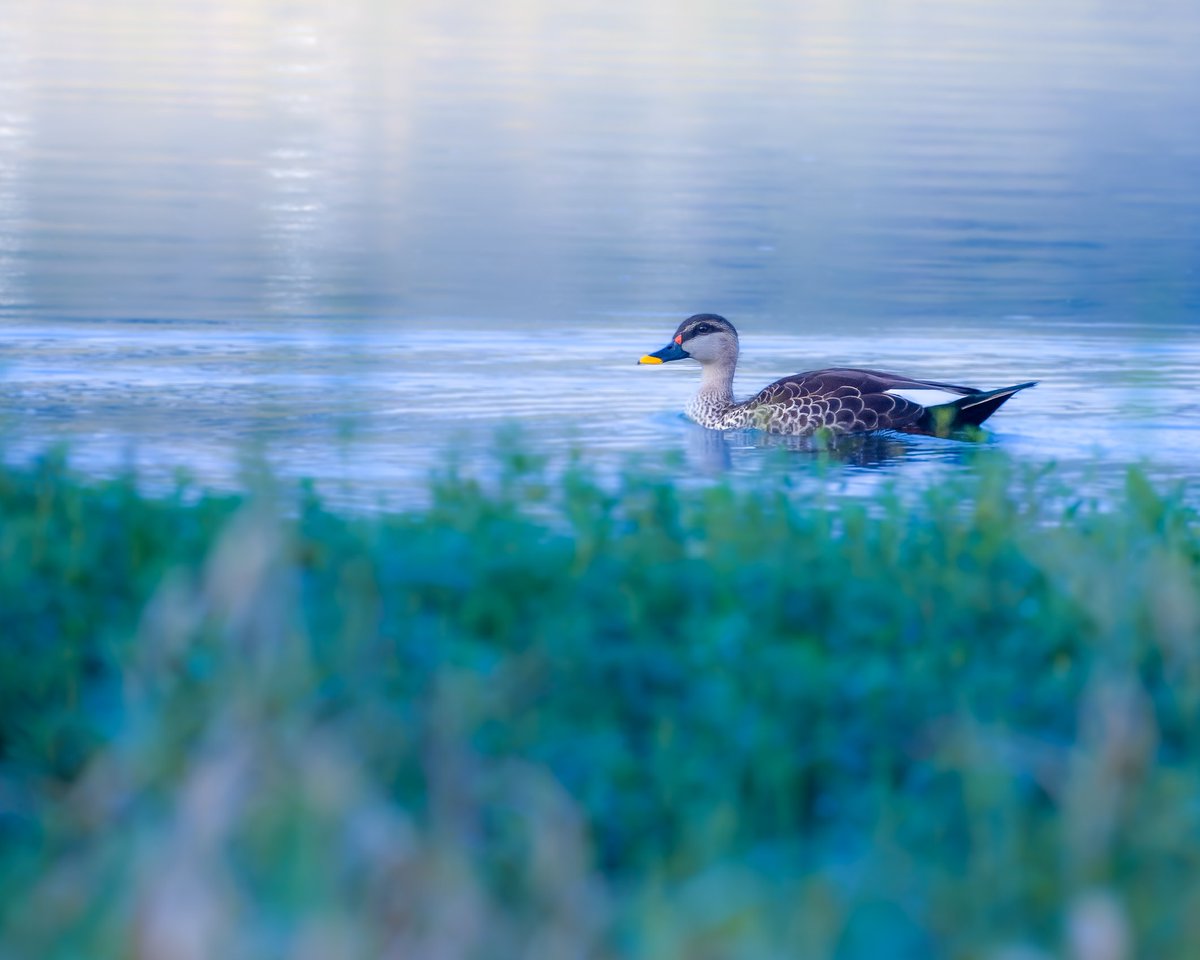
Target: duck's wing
column 847, row 399
column 877, row 381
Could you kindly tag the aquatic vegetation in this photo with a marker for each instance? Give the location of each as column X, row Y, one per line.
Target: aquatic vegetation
column 560, row 717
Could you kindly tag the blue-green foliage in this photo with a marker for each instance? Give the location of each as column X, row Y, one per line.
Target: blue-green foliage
column 563, row 717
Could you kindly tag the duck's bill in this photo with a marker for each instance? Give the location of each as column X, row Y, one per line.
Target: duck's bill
column 672, row 351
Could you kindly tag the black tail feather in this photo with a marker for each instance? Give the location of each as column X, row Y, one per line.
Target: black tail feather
column 971, row 410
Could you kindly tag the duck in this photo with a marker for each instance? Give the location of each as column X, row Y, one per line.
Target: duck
column 837, row 399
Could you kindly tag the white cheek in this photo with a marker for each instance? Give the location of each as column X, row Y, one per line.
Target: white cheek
column 702, row 348
column 925, row 397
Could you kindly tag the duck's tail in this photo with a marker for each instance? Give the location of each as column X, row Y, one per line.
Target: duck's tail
column 971, row 410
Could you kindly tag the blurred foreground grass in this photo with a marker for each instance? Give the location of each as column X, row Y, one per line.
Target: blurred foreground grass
column 564, row 719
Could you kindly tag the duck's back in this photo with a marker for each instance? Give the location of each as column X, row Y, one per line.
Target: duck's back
column 845, row 399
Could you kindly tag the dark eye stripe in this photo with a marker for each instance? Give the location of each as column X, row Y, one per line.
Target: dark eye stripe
column 698, row 330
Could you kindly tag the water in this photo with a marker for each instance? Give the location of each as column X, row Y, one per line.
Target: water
column 361, row 236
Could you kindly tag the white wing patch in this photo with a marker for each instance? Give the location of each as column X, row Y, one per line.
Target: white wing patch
column 927, row 397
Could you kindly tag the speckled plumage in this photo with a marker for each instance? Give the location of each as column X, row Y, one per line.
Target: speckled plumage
column 844, row 400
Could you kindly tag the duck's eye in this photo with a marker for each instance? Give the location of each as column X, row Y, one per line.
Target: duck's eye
column 703, row 328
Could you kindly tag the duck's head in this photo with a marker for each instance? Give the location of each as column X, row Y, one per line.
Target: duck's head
column 704, row 337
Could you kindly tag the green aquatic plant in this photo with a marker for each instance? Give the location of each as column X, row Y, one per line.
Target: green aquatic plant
column 555, row 715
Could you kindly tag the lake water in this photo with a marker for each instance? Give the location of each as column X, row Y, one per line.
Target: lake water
column 362, row 236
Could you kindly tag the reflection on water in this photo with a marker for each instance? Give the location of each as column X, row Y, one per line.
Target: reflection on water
column 713, row 452
column 363, row 233
column 15, row 85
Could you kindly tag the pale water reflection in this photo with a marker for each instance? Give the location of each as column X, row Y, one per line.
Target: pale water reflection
column 364, row 235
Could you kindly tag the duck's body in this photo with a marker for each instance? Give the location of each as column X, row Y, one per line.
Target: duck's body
column 844, row 400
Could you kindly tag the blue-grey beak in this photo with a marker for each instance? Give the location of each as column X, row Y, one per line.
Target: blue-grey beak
column 672, row 351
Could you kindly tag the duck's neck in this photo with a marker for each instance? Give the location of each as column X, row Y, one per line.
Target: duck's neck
column 715, row 395
column 716, row 382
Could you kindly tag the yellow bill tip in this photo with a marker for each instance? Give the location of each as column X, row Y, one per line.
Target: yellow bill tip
column 649, row 359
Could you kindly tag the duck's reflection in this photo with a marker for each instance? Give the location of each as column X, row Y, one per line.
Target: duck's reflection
column 717, row 451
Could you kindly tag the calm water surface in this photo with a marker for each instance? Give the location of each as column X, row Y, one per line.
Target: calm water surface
column 361, row 236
